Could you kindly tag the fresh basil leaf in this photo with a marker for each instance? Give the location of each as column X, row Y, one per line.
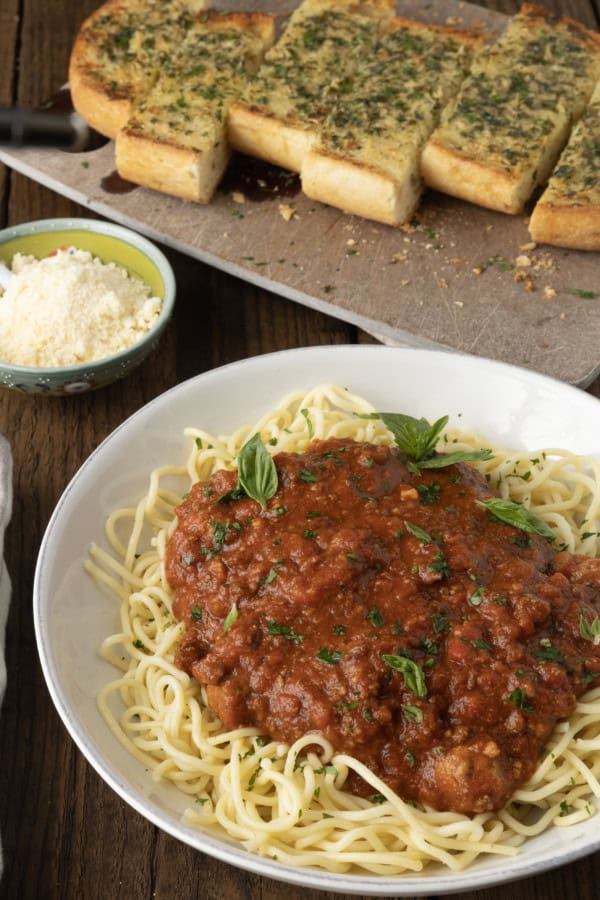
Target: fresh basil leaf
column 414, row 679
column 448, row 459
column 415, row 437
column 257, row 474
column 510, row 513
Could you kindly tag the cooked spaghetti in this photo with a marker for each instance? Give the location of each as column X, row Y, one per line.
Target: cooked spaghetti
column 290, row 803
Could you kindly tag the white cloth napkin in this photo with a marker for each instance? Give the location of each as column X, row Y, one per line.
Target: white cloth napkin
column 5, row 511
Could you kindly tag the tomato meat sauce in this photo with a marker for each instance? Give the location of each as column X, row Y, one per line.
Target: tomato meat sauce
column 385, row 609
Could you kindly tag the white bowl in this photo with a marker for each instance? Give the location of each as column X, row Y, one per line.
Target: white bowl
column 511, row 406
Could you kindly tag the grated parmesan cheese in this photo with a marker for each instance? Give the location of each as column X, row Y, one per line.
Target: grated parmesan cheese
column 71, row 308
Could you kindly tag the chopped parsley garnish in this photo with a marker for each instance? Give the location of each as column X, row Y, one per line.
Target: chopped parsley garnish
column 429, row 493
column 309, row 424
column 330, row 656
column 196, row 613
column 419, row 533
column 589, row 631
column 412, row 713
column 414, row 679
column 520, row 699
column 375, row 617
column 220, row 531
column 285, row 631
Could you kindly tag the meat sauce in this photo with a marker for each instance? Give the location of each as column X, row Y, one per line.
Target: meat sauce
column 386, row 610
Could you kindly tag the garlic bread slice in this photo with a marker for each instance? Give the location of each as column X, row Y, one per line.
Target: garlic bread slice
column 568, row 212
column 502, row 134
column 278, row 116
column 175, row 140
column 366, row 159
column 119, row 52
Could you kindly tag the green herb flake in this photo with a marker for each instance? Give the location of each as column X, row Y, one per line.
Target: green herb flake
column 412, row 713
column 231, row 618
column 332, row 657
column 589, row 631
column 520, row 699
column 285, row 631
column 375, row 617
column 309, row 423
column 414, row 678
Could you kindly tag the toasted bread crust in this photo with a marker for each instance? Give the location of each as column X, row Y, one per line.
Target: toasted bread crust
column 169, row 168
column 575, row 227
column 103, row 107
column 262, row 134
column 360, row 188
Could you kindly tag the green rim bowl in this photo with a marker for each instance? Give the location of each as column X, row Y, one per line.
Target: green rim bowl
column 110, row 243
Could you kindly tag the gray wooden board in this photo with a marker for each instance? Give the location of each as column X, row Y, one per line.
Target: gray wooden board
column 416, row 286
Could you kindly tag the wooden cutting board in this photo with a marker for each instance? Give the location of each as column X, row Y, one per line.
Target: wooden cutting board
column 459, row 277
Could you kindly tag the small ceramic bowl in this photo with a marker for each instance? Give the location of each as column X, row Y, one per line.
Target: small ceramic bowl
column 110, row 243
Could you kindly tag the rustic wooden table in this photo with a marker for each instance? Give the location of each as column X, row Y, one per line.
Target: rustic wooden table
column 65, row 833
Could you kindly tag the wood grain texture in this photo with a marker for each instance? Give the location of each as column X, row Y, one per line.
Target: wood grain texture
column 66, row 835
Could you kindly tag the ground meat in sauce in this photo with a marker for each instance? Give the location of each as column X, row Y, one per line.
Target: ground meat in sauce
column 357, row 558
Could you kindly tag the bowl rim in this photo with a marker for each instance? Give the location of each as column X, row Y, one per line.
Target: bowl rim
column 127, row 236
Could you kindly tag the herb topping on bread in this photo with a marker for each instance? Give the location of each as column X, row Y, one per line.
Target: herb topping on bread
column 366, row 159
column 502, row 134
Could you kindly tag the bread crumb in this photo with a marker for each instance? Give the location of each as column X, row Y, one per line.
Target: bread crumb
column 442, row 283
column 286, row 212
column 238, row 197
column 530, row 245
column 399, row 257
column 523, row 261
column 526, row 279
column 549, row 292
